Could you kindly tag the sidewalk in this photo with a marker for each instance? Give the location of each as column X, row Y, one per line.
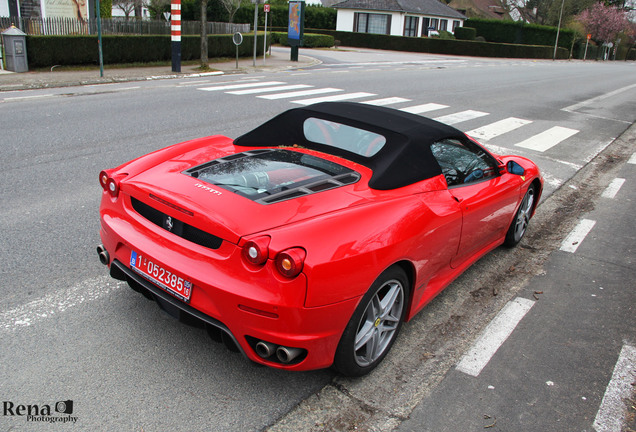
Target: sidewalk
column 279, row 60
column 570, row 364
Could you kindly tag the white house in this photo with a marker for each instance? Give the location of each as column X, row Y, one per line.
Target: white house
column 397, row 17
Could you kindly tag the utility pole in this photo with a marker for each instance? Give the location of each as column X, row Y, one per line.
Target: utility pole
column 556, row 43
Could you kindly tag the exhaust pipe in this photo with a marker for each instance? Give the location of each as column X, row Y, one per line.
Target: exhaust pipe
column 265, row 349
column 287, row 355
column 102, row 253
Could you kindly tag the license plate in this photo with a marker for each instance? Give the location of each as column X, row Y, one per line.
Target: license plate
column 157, row 274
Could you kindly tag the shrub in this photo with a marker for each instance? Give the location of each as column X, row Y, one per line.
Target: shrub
column 310, row 40
column 442, row 46
column 517, row 32
column 465, row 33
column 445, row 35
column 45, row 51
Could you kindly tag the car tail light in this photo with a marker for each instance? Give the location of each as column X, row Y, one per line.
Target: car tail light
column 256, row 251
column 109, row 184
column 290, row 262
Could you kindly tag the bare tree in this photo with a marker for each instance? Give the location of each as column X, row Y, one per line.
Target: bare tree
column 231, row 6
column 126, row 6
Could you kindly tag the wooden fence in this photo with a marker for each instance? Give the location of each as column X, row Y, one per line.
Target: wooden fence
column 73, row 26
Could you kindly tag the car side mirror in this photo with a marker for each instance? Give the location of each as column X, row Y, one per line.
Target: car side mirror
column 514, row 168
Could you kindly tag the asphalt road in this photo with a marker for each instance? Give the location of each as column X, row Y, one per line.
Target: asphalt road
column 71, row 333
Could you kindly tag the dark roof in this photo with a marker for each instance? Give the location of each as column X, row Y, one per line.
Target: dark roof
column 423, row 7
column 405, row 159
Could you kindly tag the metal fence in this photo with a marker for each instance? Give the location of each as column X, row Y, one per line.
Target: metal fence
column 73, row 26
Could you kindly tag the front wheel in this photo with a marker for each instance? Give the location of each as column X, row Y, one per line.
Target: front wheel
column 374, row 325
column 520, row 223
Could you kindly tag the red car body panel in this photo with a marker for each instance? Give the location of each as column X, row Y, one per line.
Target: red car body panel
column 350, row 234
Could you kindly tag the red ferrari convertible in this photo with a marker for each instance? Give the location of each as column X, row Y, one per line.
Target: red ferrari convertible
column 308, row 241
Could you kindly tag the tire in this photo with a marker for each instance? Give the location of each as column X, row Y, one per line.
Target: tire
column 374, row 325
column 521, row 220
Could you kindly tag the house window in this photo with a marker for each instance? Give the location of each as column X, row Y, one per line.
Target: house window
column 426, row 22
column 434, row 24
column 443, row 25
column 372, row 23
column 455, row 25
column 410, row 26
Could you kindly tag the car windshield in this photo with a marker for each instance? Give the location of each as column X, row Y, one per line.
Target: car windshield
column 273, row 175
column 355, row 140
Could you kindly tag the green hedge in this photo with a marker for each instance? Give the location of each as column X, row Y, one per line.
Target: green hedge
column 310, row 40
column 445, row 46
column 315, row 16
column 517, row 32
column 46, row 51
column 465, row 33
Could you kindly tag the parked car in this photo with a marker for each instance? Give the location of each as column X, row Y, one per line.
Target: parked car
column 308, row 241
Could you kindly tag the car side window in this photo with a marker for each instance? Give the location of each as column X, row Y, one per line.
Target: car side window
column 463, row 163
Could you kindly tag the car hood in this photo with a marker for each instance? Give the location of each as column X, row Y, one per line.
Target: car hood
column 167, row 187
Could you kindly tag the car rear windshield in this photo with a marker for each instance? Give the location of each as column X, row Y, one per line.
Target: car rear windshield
column 271, row 175
column 355, row 140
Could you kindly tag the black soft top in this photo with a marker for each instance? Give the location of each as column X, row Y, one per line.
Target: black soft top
column 406, row 157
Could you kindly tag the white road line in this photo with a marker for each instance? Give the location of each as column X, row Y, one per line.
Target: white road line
column 593, row 100
column 547, row 139
column 459, row 117
column 632, row 160
column 611, row 414
column 493, row 336
column 184, row 83
column 572, row 242
column 21, row 98
column 300, row 93
column 419, row 109
column 269, row 89
column 240, row 86
column 613, row 188
column 392, row 63
column 334, row 98
column 57, row 302
column 495, row 129
column 387, row 101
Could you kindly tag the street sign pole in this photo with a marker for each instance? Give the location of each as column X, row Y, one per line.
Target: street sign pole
column 256, row 2
column 99, row 40
column 266, row 9
column 237, row 39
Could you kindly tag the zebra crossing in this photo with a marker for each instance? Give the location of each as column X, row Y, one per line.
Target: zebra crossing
column 306, row 94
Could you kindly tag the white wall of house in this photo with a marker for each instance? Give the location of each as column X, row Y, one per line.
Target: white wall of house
column 345, row 21
column 4, row 8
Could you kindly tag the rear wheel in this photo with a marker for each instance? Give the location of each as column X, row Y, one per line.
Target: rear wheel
column 520, row 223
column 374, row 325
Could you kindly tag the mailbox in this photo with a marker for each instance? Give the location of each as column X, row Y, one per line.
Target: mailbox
column 14, row 41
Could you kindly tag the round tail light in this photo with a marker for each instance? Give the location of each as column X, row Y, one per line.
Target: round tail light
column 256, row 251
column 290, row 262
column 108, row 183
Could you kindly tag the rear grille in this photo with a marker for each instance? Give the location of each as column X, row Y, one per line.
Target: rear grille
column 175, row 226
